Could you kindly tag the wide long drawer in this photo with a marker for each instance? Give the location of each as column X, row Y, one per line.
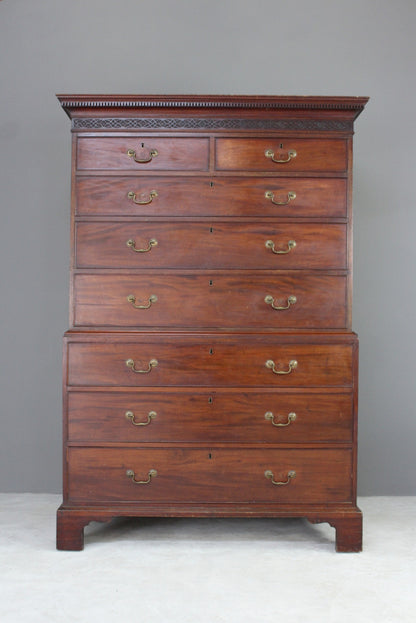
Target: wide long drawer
column 203, row 416
column 271, row 154
column 209, row 475
column 211, row 300
column 217, row 196
column 209, row 360
column 184, row 244
column 142, row 155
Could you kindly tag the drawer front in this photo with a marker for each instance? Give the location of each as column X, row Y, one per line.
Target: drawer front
column 202, row 416
column 184, row 360
column 220, row 196
column 133, row 153
column 211, row 300
column 291, row 154
column 209, row 245
column 209, row 475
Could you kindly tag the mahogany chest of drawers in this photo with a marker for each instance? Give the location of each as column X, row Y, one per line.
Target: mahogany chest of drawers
column 210, row 368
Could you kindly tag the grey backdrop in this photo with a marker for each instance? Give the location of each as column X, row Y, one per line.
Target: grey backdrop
column 325, row 47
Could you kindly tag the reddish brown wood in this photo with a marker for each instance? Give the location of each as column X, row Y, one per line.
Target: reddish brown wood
column 206, row 416
column 70, row 530
column 206, row 198
column 311, row 155
column 70, row 526
column 306, row 107
column 185, row 360
column 211, row 196
column 210, row 245
column 221, row 300
column 348, row 527
column 209, row 475
column 349, row 533
column 347, row 520
column 111, row 153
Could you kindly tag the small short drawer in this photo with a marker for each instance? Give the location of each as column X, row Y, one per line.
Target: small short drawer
column 143, row 196
column 209, row 475
column 264, row 360
column 281, row 156
column 197, row 415
column 143, row 154
column 210, row 245
column 211, row 299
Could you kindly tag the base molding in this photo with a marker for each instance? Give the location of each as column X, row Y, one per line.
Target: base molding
column 71, row 520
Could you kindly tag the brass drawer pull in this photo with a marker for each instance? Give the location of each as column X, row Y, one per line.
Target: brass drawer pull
column 269, row 153
column 151, row 474
column 132, row 244
column 270, row 195
column 152, row 364
column 132, row 299
column 290, row 475
column 152, row 154
column 269, row 244
column 131, row 195
column 293, row 364
column 269, row 416
column 150, row 416
column 291, row 300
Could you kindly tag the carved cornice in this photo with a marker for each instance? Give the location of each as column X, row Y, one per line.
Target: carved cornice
column 72, row 103
column 211, row 123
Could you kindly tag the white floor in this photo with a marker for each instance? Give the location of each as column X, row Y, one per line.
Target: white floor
column 203, row 570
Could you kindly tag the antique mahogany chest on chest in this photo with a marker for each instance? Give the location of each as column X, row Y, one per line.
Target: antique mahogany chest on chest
column 210, row 369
